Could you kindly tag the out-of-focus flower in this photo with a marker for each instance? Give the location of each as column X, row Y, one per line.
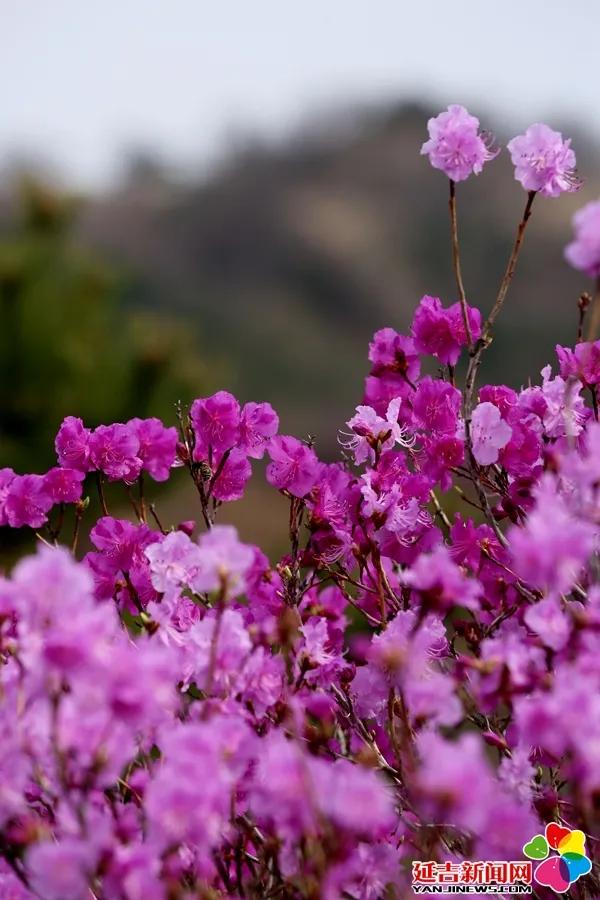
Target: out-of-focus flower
column 27, row 501
column 584, row 250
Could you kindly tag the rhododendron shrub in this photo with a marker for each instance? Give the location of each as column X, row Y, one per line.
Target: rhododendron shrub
column 182, row 717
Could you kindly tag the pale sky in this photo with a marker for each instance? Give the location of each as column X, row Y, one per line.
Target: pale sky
column 83, row 81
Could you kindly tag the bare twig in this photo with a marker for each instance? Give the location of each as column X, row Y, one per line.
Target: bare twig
column 456, row 263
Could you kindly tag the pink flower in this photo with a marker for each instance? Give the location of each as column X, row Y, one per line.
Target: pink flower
column 224, row 560
column 64, row 485
column 441, row 582
column 27, row 501
column 233, row 477
column 114, row 451
column 582, row 362
column 565, row 411
column 216, row 423
column 547, row 619
column 436, row 406
column 59, row 871
column 455, row 145
column 392, row 353
column 543, row 161
column 117, row 539
column 173, row 562
column 72, row 445
column 6, row 477
column 294, row 467
column 489, row 433
column 158, row 446
column 440, row 331
column 551, row 548
column 584, row 250
column 258, row 424
column 370, row 432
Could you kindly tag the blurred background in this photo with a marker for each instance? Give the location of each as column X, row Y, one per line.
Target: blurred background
column 199, row 195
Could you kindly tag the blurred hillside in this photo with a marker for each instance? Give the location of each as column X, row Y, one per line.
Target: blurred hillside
column 68, row 345
column 289, row 257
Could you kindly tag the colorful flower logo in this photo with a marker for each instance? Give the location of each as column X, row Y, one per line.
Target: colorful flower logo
column 558, row 871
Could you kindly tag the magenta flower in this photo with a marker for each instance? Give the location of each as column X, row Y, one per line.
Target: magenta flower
column 440, row 331
column 157, row 446
column 455, row 780
column 393, row 353
column 235, row 474
column 441, row 582
column 216, row 423
column 294, row 467
column 258, row 424
column 173, row 562
column 543, row 161
column 404, row 682
column 6, row 477
column 551, row 548
column 116, row 539
column 489, row 433
column 27, row 501
column 455, row 144
column 436, row 406
column 224, row 561
column 59, row 871
column 584, row 250
column 582, row 362
column 370, row 433
column 72, row 445
column 114, row 451
column 547, row 620
column 64, row 485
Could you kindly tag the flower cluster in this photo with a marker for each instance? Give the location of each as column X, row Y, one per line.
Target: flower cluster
column 417, row 679
column 543, row 161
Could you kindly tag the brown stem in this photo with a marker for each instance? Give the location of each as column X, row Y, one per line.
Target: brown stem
column 214, row 645
column 582, row 305
column 134, row 505
column 101, row 495
column 439, row 511
column 156, row 519
column 594, row 400
column 485, row 338
column 79, row 510
column 218, row 471
column 295, row 523
column 142, row 503
column 512, row 262
column 595, row 316
column 456, row 263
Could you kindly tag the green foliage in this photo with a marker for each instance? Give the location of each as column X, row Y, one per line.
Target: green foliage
column 67, row 346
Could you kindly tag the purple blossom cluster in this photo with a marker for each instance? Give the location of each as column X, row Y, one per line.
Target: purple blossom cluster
column 418, row 678
column 543, row 160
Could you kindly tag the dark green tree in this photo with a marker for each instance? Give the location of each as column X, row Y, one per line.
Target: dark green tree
column 68, row 345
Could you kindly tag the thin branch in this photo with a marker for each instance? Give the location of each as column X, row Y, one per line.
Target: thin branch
column 456, row 263
column 595, row 316
column 486, row 338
